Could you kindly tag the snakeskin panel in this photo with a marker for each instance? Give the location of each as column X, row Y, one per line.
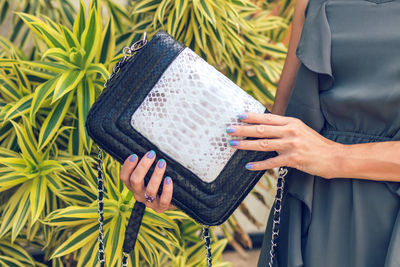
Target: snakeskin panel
column 187, row 112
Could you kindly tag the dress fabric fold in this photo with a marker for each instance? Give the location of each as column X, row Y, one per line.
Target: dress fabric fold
column 314, row 47
column 348, row 89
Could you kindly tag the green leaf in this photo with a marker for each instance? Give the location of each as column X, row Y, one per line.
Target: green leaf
column 180, row 7
column 37, row 197
column 41, row 93
column 9, row 212
column 107, row 43
column 23, row 81
column 36, row 76
column 75, row 146
column 68, row 11
column 257, row 83
column 196, row 33
column 145, row 6
column 85, row 234
column 160, row 12
column 207, row 11
column 172, row 23
column 4, row 10
column 67, row 82
column 50, row 166
column 61, row 55
column 80, row 21
column 87, row 195
column 50, row 66
column 88, row 255
column 19, row 108
column 27, row 141
column 16, row 252
column 91, row 37
column 85, row 99
column 48, row 34
column 162, row 220
column 73, row 197
column 98, row 68
column 116, row 229
column 21, row 216
column 57, row 262
column 4, row 152
column 70, row 38
column 53, row 121
column 73, row 215
column 10, row 262
column 8, row 87
column 12, row 179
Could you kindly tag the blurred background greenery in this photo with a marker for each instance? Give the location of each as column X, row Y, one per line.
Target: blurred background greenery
column 55, row 56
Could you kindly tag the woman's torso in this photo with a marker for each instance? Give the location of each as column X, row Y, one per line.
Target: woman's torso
column 365, row 61
column 348, row 89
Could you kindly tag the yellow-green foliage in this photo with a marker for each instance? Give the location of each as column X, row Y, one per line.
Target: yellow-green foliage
column 52, row 67
column 230, row 34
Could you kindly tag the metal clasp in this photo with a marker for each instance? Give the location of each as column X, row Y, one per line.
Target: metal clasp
column 128, row 51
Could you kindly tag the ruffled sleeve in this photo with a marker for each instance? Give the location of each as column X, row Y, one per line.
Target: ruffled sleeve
column 314, row 48
column 315, row 72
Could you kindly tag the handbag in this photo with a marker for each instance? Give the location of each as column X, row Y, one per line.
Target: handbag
column 162, row 96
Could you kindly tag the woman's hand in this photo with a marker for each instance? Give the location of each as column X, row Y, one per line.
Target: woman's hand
column 298, row 145
column 132, row 174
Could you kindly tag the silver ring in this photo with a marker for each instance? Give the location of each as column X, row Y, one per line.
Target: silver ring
column 149, row 198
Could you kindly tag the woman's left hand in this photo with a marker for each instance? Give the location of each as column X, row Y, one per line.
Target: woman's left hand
column 297, row 145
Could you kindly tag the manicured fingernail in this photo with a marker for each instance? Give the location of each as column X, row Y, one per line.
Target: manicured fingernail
column 233, row 142
column 161, row 163
column 132, row 158
column 242, row 116
column 167, row 180
column 151, row 154
column 249, row 166
column 230, row 130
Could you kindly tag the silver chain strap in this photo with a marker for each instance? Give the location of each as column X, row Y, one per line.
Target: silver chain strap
column 277, row 213
column 100, row 208
column 207, row 241
column 100, row 205
column 127, row 52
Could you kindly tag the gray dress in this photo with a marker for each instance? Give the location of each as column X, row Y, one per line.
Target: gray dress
column 348, row 89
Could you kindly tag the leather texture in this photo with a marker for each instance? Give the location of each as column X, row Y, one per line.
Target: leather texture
column 109, row 125
column 186, row 114
column 133, row 227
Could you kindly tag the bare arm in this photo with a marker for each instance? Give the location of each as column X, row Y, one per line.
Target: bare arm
column 372, row 161
column 292, row 63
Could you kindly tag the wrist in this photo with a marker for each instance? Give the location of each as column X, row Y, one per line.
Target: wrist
column 338, row 160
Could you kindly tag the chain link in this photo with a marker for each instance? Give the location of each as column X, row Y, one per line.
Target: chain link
column 127, row 52
column 277, row 213
column 207, row 241
column 100, row 205
column 125, row 259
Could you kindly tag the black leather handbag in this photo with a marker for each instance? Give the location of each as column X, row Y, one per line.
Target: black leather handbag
column 162, row 96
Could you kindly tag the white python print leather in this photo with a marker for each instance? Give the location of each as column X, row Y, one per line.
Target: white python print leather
column 186, row 114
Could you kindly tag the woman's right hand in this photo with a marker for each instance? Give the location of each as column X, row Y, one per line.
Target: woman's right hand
column 132, row 174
